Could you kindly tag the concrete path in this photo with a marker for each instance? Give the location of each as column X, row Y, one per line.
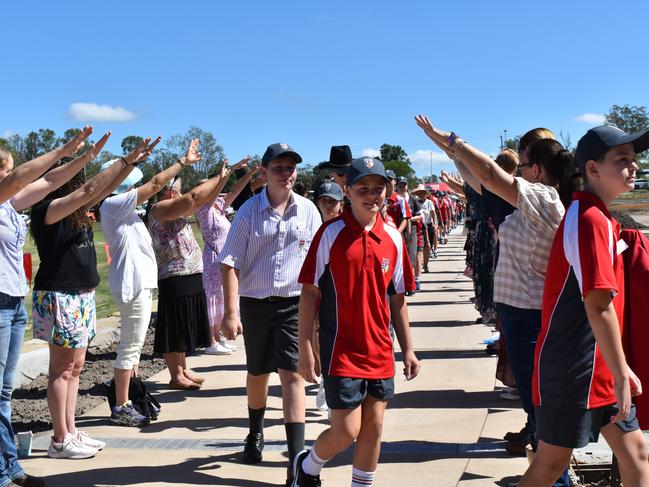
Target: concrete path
column 443, row 429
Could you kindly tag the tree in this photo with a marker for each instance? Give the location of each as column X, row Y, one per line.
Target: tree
column 211, row 151
column 630, row 119
column 567, row 142
column 513, row 143
column 130, row 142
column 393, row 153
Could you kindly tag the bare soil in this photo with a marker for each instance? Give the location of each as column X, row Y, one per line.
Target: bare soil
column 29, row 403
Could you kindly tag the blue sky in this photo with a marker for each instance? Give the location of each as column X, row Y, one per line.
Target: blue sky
column 316, row 73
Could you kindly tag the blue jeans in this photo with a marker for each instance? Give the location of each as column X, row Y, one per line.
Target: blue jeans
column 13, row 319
column 521, row 328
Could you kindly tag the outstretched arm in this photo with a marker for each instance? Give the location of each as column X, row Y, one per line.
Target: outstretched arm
column 32, row 170
column 479, row 164
column 225, row 174
column 239, row 185
column 54, row 179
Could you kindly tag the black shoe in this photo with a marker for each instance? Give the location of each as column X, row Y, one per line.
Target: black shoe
column 301, row 479
column 26, row 480
column 252, row 451
column 518, row 436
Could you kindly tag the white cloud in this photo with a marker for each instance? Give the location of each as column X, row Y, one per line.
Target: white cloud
column 91, row 112
column 7, row 133
column 591, row 118
column 369, row 152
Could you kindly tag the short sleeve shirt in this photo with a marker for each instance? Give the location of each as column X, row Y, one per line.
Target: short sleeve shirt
column 570, row 370
column 133, row 265
column 12, row 239
column 176, row 250
column 68, row 261
column 355, row 271
column 398, row 208
column 525, row 240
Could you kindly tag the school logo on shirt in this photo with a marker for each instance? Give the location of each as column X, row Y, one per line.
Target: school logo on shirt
column 385, row 265
column 368, row 163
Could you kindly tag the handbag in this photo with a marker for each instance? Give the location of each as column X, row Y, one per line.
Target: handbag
column 143, row 401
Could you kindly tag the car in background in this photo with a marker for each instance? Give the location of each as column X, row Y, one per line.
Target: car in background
column 641, row 184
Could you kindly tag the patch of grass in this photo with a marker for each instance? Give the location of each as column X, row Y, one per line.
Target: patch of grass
column 105, row 303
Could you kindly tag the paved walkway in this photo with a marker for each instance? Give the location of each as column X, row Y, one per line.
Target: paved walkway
column 442, row 429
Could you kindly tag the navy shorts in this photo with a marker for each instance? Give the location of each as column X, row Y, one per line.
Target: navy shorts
column 575, row 428
column 348, row 393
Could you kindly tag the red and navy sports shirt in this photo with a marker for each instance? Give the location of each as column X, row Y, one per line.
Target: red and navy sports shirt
column 398, row 208
column 569, row 369
column 355, row 271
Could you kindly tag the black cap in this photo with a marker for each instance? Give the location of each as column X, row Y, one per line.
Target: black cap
column 330, row 189
column 364, row 166
column 390, row 174
column 402, row 179
column 340, row 157
column 278, row 150
column 598, row 140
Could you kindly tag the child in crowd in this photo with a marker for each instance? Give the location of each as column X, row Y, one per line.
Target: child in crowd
column 357, row 268
column 582, row 384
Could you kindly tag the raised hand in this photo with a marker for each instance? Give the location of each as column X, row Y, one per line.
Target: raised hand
column 192, row 156
column 94, row 150
column 76, row 143
column 225, row 170
column 148, row 150
column 139, row 153
column 439, row 137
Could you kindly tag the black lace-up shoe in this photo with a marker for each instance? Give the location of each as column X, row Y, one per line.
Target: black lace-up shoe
column 252, row 449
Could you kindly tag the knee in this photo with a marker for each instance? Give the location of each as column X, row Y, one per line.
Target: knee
column 62, row 371
column 346, row 435
column 372, row 429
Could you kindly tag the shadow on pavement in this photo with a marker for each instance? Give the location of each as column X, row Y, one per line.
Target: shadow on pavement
column 447, row 399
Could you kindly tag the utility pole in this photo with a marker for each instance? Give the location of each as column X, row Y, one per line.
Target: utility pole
column 505, row 144
column 431, row 167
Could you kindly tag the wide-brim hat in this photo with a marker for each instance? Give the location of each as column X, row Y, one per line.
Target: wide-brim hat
column 340, row 157
column 421, row 189
column 134, row 177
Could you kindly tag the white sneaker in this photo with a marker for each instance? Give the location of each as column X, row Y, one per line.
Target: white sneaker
column 70, row 448
column 217, row 349
column 227, row 345
column 85, row 439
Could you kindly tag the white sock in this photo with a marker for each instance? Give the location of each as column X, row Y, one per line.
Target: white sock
column 312, row 464
column 362, row 479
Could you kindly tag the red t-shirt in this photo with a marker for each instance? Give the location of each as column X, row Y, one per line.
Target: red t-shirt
column 355, row 271
column 569, row 369
column 398, row 208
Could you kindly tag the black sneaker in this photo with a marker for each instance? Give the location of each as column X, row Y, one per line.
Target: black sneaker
column 301, row 479
column 252, row 449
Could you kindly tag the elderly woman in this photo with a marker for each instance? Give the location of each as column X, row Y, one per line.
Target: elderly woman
column 19, row 189
column 182, row 322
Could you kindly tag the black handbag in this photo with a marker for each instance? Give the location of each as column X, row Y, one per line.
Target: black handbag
column 143, row 401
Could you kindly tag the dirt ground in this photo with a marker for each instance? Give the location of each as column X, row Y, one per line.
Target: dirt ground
column 29, row 402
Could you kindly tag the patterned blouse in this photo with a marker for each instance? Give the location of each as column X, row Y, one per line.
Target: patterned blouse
column 175, row 247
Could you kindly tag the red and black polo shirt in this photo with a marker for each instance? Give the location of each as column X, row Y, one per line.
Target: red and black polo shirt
column 398, row 208
column 569, row 369
column 355, row 271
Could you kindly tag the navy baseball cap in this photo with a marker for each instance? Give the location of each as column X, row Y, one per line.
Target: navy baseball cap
column 330, row 189
column 390, row 174
column 365, row 166
column 402, row 179
column 598, row 140
column 280, row 149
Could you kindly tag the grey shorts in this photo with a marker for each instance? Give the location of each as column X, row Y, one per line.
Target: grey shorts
column 270, row 334
column 575, row 428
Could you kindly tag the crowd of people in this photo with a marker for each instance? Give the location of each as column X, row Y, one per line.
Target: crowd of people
column 317, row 287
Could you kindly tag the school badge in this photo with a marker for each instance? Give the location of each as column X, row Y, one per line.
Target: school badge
column 385, row 265
column 368, row 163
column 283, row 146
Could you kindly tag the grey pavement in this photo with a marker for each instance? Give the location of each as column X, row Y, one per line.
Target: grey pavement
column 442, row 429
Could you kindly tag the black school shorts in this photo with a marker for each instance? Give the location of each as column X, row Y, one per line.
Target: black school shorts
column 348, row 393
column 270, row 334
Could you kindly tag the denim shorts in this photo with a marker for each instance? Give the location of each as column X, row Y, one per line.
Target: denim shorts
column 67, row 319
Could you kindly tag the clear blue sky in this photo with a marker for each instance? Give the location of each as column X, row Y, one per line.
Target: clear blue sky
column 322, row 73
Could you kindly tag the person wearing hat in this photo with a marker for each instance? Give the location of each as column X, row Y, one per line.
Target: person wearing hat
column 582, row 382
column 358, row 271
column 340, row 157
column 329, row 197
column 133, row 272
column 260, row 262
column 63, row 311
column 428, row 230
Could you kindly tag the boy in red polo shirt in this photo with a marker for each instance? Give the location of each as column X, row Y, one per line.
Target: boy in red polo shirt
column 357, row 268
column 582, row 384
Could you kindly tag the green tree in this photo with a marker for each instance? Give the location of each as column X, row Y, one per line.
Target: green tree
column 630, row 118
column 130, row 142
column 393, row 153
column 211, row 151
column 513, row 143
column 400, row 168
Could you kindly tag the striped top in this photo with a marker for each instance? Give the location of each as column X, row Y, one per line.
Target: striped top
column 525, row 240
column 269, row 249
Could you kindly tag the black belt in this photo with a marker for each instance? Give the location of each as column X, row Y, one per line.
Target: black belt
column 273, row 299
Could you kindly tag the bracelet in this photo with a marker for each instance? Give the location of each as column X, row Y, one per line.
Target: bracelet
column 452, row 138
column 123, row 159
column 180, row 161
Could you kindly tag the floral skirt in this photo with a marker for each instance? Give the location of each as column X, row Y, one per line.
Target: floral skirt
column 67, row 319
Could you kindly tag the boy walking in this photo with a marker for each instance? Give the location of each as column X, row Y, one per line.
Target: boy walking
column 358, row 271
column 260, row 262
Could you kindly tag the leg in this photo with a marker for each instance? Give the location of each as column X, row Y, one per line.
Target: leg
column 257, row 390
column 79, row 358
column 630, row 448
column 549, row 463
column 182, row 357
column 294, row 412
column 344, row 429
column 175, row 367
column 60, row 372
column 368, row 444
